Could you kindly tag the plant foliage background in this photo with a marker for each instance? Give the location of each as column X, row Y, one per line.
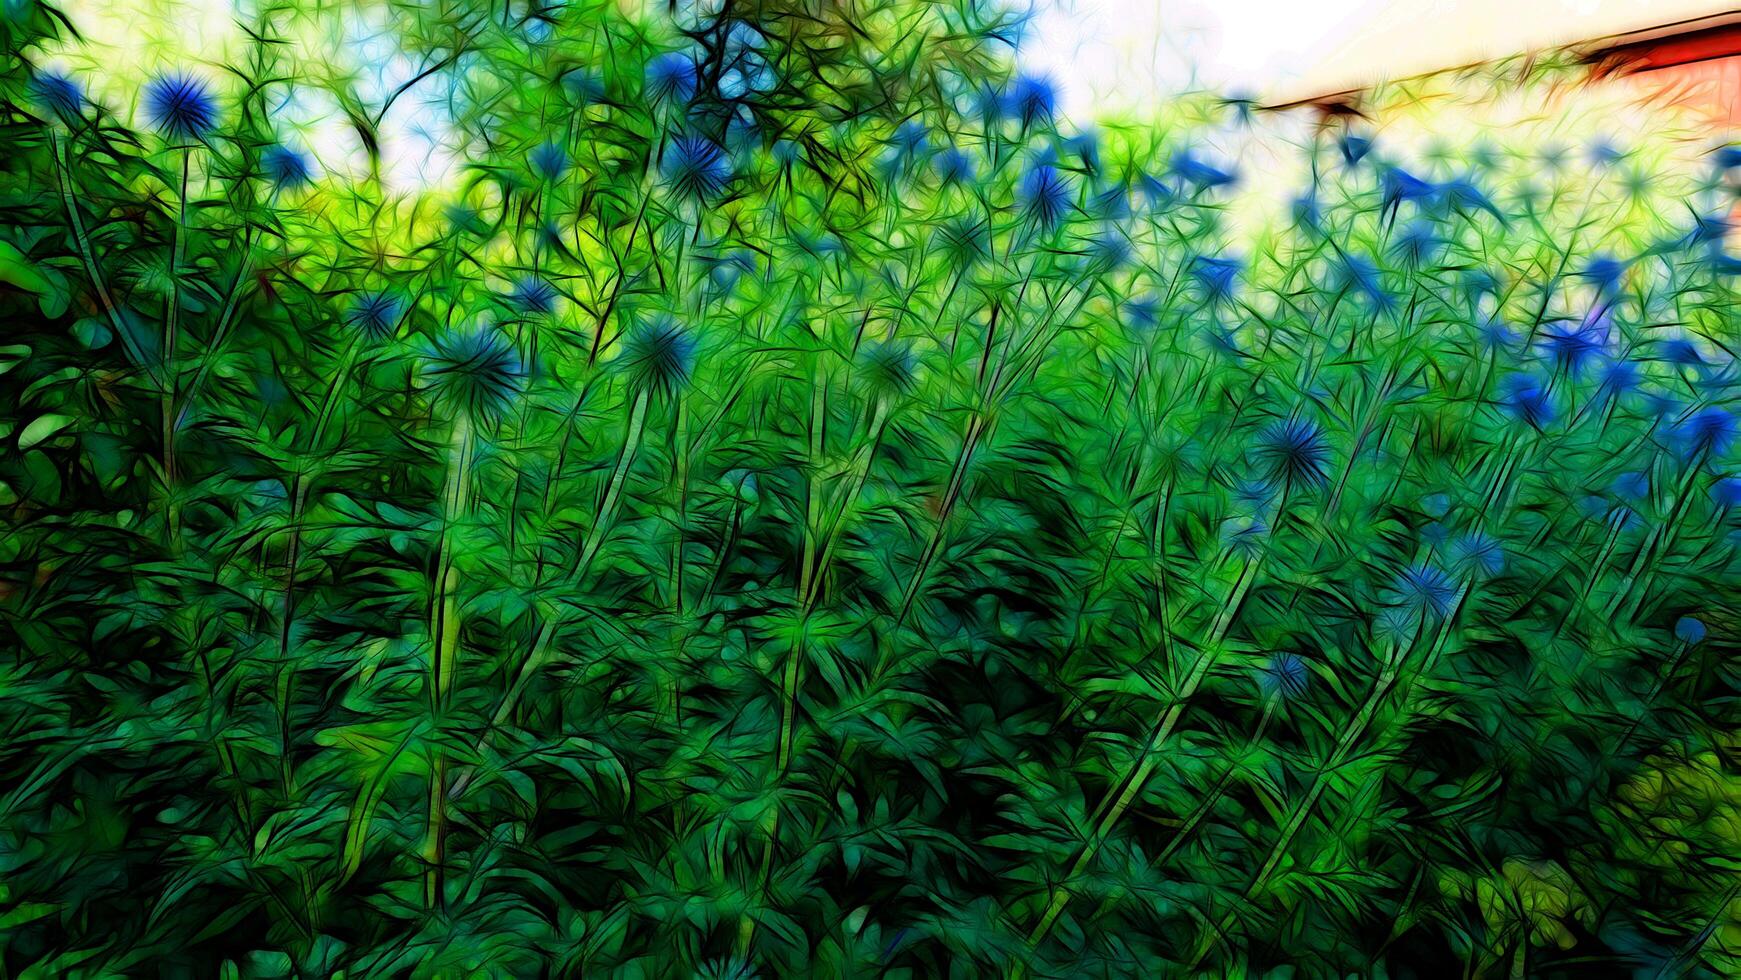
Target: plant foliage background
column 791, row 506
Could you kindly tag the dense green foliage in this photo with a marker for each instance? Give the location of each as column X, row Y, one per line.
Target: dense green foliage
column 792, row 508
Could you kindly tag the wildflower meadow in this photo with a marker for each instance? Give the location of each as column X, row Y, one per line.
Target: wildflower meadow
column 784, row 501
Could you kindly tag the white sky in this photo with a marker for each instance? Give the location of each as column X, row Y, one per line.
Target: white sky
column 1116, row 54
column 1105, row 56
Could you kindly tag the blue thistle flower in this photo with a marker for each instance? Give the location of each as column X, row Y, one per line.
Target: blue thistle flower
column 1045, row 195
column 1033, row 99
column 696, row 167
column 910, row 138
column 1689, row 630
column 1354, row 147
column 1111, row 203
column 1619, row 376
column 179, row 106
column 1604, row 152
column 1573, row 347
column 1361, row 275
column 1633, row 486
column 549, row 160
column 1682, row 352
column 1142, row 313
column 374, row 314
column 1726, row 157
column 1424, row 587
column 1200, row 174
column 1285, row 675
column 473, row 374
column 1496, row 334
column 991, row 105
column 658, row 356
column 1709, row 430
column 533, row 294
column 1216, row 276
column 57, row 93
column 1477, row 553
column 1154, row 191
column 1726, row 492
column 671, row 76
column 954, row 167
column 1086, row 148
column 1604, row 272
column 1293, row 452
column 285, row 167
column 1464, row 195
column 1527, row 398
column 1399, row 185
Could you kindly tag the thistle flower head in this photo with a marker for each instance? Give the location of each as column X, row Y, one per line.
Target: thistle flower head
column 695, row 167
column 533, row 294
column 285, row 167
column 1477, row 553
column 473, row 374
column 1682, row 352
column 1709, row 430
column 57, row 93
column 374, row 314
column 180, row 106
column 1689, row 630
column 1633, row 486
column 1215, row 276
column 671, row 77
column 1033, row 99
column 1142, row 313
column 1572, row 347
column 1284, row 675
column 1604, row 272
column 1293, row 452
column 549, row 160
column 1527, row 399
column 1045, row 195
column 1424, row 588
column 954, row 167
column 1399, row 185
column 1726, row 492
column 910, row 138
column 658, row 356
column 1199, row 173
column 1354, row 147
